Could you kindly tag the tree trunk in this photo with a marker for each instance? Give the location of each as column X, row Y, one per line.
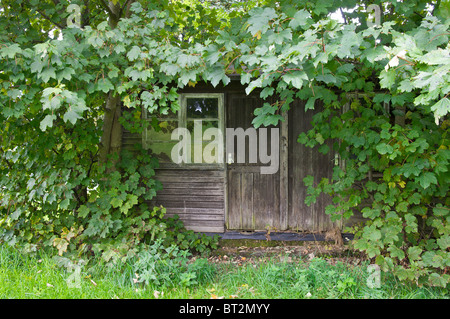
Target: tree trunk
column 112, row 130
column 111, row 142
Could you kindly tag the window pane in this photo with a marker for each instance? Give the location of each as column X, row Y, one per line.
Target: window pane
column 162, row 151
column 205, row 147
column 161, row 130
column 202, row 107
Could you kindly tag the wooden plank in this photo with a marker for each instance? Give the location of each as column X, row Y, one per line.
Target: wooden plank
column 189, row 173
column 234, row 201
column 187, row 204
column 194, row 192
column 206, row 229
column 213, row 223
column 189, row 198
column 247, row 212
column 200, row 211
column 196, row 217
column 195, row 185
column 284, row 173
column 246, row 169
column 187, row 179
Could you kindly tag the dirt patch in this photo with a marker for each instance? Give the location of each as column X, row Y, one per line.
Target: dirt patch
column 284, row 252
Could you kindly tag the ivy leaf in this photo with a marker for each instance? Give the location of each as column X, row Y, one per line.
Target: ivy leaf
column 300, row 19
column 384, row 148
column 47, row 122
column 217, row 75
column 259, row 20
column 74, row 112
column 116, row 202
column 267, row 91
column 47, row 74
column 134, row 53
column 105, row 85
column 10, row 51
column 64, row 203
column 83, row 211
column 414, row 252
column 426, row 179
column 440, row 109
column 310, row 104
column 295, row 78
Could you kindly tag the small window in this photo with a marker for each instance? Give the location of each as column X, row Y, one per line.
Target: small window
column 202, row 117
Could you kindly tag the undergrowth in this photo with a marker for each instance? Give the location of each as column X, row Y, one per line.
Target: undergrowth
column 173, row 273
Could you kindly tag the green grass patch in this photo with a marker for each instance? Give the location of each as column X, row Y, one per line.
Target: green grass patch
column 40, row 276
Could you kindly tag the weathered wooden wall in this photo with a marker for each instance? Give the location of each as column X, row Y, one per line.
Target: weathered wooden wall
column 238, row 196
column 196, row 196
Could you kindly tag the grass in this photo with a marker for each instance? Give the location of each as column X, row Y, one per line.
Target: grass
column 28, row 277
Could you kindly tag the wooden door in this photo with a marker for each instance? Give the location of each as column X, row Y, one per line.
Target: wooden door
column 253, row 198
column 305, row 161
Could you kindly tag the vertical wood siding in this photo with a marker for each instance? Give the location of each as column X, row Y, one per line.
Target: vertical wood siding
column 304, row 161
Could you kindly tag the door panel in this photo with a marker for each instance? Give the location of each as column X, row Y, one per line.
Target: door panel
column 253, row 198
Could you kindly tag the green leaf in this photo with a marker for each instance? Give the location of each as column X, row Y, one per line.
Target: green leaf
column 74, row 113
column 414, row 252
column 64, row 204
column 384, row 148
column 295, row 78
column 440, row 210
column 83, row 211
column 47, row 74
column 374, row 235
column 217, row 75
column 259, row 20
column 426, row 179
column 444, row 242
column 439, row 280
column 300, row 19
column 116, row 202
column 410, row 169
column 441, row 108
column 65, row 73
column 266, row 92
column 310, row 103
column 396, row 252
column 169, row 68
column 47, row 122
column 387, row 78
column 411, row 223
column 134, row 53
column 10, row 51
column 105, row 85
column 308, row 180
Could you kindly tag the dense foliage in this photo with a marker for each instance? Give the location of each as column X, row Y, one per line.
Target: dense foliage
column 60, row 94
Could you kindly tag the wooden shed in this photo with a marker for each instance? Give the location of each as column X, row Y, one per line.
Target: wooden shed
column 231, row 194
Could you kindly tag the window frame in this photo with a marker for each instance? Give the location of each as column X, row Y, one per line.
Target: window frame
column 182, row 122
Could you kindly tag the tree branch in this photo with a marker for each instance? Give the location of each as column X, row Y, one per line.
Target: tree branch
column 126, row 6
column 61, row 26
column 106, row 7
